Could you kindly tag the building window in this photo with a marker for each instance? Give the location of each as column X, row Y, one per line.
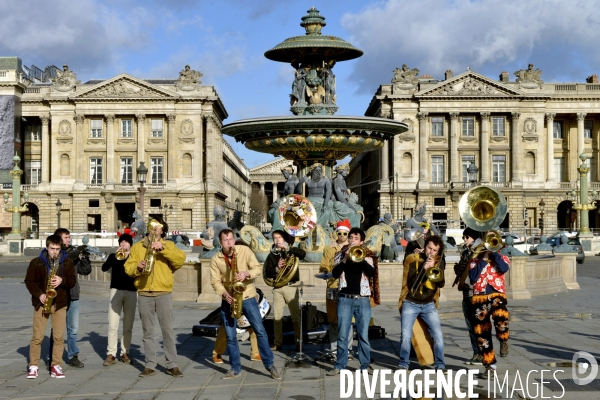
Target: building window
column 557, row 130
column 33, row 133
column 439, row 202
column 437, row 126
column 437, row 169
column 587, row 129
column 466, row 161
column 559, row 169
column 157, row 128
column 96, row 171
column 156, row 164
column 96, row 127
column 498, row 126
column 127, row 170
column 33, row 171
column 407, row 164
column 126, row 128
column 468, row 126
column 498, row 168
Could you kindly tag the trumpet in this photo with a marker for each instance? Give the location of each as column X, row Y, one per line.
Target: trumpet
column 121, row 254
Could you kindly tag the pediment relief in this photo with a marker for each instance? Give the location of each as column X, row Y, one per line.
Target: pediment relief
column 273, row 167
column 124, row 86
column 470, row 84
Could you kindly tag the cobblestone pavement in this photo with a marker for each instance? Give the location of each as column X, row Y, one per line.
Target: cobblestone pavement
column 544, row 330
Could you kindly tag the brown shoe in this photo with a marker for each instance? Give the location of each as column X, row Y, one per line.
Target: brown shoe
column 147, row 372
column 175, row 372
column 125, row 358
column 217, row 359
column 503, row 349
column 110, row 360
column 256, row 358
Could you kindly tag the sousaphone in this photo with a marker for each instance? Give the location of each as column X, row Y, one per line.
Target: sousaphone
column 482, row 208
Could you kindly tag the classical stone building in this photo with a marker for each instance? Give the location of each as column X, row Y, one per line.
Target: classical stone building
column 82, row 143
column 524, row 135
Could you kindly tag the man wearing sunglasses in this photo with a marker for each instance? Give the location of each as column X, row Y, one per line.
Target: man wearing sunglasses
column 341, row 232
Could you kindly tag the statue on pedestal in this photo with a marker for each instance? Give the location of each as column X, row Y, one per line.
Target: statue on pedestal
column 138, row 227
column 419, row 218
column 218, row 223
column 318, row 191
column 344, row 208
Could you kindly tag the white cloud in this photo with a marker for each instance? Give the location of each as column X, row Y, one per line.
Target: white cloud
column 489, row 36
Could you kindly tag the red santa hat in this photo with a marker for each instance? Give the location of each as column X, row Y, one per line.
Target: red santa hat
column 343, row 225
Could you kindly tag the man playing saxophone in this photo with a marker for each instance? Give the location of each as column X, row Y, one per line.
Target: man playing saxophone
column 275, row 262
column 228, row 268
column 419, row 297
column 154, row 284
column 54, row 271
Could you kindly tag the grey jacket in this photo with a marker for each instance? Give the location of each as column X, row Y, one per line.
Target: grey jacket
column 82, row 267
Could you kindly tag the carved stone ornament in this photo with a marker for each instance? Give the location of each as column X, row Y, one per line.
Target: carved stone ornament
column 410, row 124
column 187, row 127
column 530, row 126
column 496, row 138
column 187, row 140
column 441, row 139
column 529, row 78
column 64, row 128
column 124, row 88
column 65, row 80
column 467, row 139
column 405, row 80
column 189, row 79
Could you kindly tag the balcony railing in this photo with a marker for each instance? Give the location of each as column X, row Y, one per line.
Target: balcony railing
column 30, row 188
column 94, row 186
column 156, row 186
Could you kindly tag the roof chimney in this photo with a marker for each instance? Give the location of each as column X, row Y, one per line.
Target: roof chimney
column 592, row 79
column 504, row 76
column 449, row 74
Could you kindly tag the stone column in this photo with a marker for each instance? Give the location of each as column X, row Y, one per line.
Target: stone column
column 455, row 167
column 580, row 139
column 484, row 158
column 110, row 149
column 262, row 187
column 422, row 116
column 45, row 148
column 141, row 138
column 550, row 148
column 78, row 157
column 515, row 161
column 171, row 152
column 275, row 194
column 385, row 164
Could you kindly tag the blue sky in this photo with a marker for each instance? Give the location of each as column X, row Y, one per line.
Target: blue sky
column 226, row 40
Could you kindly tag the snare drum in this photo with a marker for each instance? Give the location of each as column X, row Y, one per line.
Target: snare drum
column 263, row 307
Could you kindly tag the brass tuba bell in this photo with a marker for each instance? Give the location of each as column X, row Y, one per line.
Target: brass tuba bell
column 482, row 208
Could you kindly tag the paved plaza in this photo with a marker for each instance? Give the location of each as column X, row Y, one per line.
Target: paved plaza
column 544, row 330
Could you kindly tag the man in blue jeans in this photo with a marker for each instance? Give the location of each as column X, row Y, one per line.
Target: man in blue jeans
column 222, row 266
column 421, row 302
column 358, row 282
column 82, row 267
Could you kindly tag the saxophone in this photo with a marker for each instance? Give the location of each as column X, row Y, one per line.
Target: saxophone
column 150, row 255
column 237, row 290
column 50, row 291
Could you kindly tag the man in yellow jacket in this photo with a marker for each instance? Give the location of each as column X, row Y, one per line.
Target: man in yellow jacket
column 154, row 293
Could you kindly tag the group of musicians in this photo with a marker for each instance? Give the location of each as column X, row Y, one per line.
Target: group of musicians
column 351, row 271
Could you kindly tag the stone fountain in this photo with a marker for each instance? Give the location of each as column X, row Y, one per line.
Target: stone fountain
column 313, row 138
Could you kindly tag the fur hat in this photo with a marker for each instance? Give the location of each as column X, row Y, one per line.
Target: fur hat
column 126, row 238
column 343, row 225
column 286, row 236
column 472, row 233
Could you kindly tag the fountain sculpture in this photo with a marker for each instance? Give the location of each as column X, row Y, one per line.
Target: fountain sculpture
column 313, row 138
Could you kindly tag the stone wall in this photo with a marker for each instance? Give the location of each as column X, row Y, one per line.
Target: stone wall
column 528, row 276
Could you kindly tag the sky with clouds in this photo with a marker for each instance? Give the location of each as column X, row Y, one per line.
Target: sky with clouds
column 226, row 40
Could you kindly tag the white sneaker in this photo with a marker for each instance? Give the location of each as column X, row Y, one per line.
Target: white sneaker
column 32, row 373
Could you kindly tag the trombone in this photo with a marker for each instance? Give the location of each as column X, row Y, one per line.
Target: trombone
column 434, row 274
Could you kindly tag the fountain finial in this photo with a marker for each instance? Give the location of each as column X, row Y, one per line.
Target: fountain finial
column 313, row 22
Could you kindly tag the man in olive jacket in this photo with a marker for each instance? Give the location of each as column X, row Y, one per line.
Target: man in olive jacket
column 36, row 281
column 154, row 293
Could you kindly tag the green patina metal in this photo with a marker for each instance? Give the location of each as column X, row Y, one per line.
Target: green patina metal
column 314, row 134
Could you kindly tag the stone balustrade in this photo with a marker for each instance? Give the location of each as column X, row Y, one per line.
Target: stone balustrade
column 528, row 276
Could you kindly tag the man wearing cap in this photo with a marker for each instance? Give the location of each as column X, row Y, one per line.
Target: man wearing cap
column 471, row 239
column 342, row 229
column 154, row 293
column 123, row 296
column 282, row 247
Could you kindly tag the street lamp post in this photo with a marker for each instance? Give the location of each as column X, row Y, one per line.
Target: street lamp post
column 472, row 171
column 585, row 236
column 237, row 204
column 542, row 207
column 58, row 208
column 15, row 238
column 142, row 171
